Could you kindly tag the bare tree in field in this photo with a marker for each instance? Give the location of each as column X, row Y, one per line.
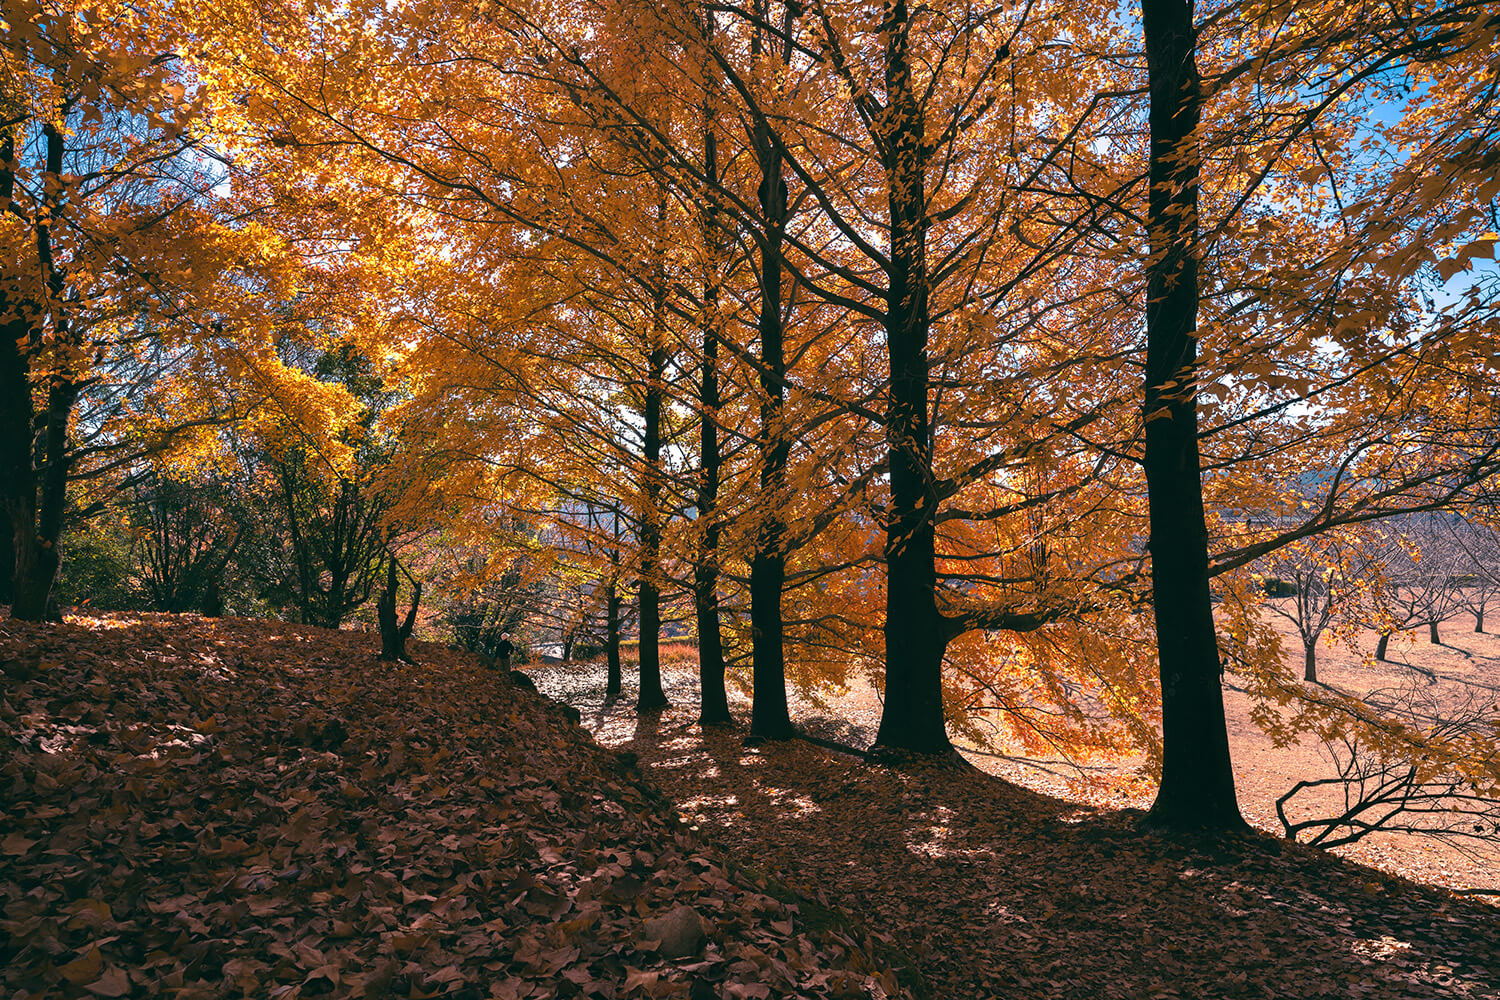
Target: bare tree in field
column 1327, row 577
column 1480, row 580
column 1422, row 567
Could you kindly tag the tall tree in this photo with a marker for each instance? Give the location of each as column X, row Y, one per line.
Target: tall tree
column 713, row 699
column 1197, row 783
column 650, row 696
column 134, row 286
column 769, row 718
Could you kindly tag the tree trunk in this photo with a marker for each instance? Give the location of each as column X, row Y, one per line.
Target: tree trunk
column 7, row 531
column 714, row 704
column 713, row 699
column 651, row 697
column 1310, row 662
column 915, row 636
column 1479, row 620
column 17, row 478
column 212, row 604
column 37, row 564
column 1432, row 634
column 1197, row 783
column 35, row 495
column 393, row 636
column 38, row 549
column 1381, row 644
column 300, row 545
column 612, row 640
column 769, row 718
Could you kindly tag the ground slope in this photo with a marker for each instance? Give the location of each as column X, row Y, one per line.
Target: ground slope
column 1000, row 891
column 228, row 808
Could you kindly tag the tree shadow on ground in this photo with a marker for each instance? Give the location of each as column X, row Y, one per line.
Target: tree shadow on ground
column 999, row 891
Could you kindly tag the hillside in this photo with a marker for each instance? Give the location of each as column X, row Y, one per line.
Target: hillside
column 230, row 808
column 998, row 890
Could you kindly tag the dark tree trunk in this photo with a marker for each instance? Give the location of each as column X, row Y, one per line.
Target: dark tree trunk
column 1479, row 620
column 714, row 707
column 1197, row 783
column 769, row 718
column 612, row 635
column 17, row 478
column 54, row 607
column 713, row 699
column 212, row 603
column 1310, row 662
column 7, row 531
column 651, row 697
column 1381, row 644
column 300, row 550
column 1432, row 634
column 915, row 633
column 37, row 501
column 393, row 636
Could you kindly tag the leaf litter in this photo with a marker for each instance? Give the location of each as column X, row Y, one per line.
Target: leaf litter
column 222, row 808
column 996, row 890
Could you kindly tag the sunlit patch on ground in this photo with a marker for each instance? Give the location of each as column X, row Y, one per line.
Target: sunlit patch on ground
column 1383, row 947
column 96, row 622
column 794, row 805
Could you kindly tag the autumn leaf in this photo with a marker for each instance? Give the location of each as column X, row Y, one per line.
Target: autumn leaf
column 15, row 844
column 84, row 968
column 114, row 983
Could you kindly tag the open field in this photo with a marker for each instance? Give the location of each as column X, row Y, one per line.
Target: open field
column 1467, row 664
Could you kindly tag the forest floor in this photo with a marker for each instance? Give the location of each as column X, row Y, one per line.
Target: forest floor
column 234, row 808
column 202, row 809
column 1466, row 665
column 1003, row 890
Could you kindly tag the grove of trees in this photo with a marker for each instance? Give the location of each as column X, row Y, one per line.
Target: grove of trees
column 999, row 353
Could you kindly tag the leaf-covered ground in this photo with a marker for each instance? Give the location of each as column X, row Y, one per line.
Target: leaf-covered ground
column 999, row 891
column 230, row 808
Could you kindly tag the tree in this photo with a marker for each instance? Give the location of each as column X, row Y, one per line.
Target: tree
column 713, row 698
column 129, row 274
column 492, row 590
column 393, row 635
column 188, row 534
column 1419, row 578
column 1255, row 350
column 334, row 505
column 1197, row 784
column 1481, row 567
column 1328, row 578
